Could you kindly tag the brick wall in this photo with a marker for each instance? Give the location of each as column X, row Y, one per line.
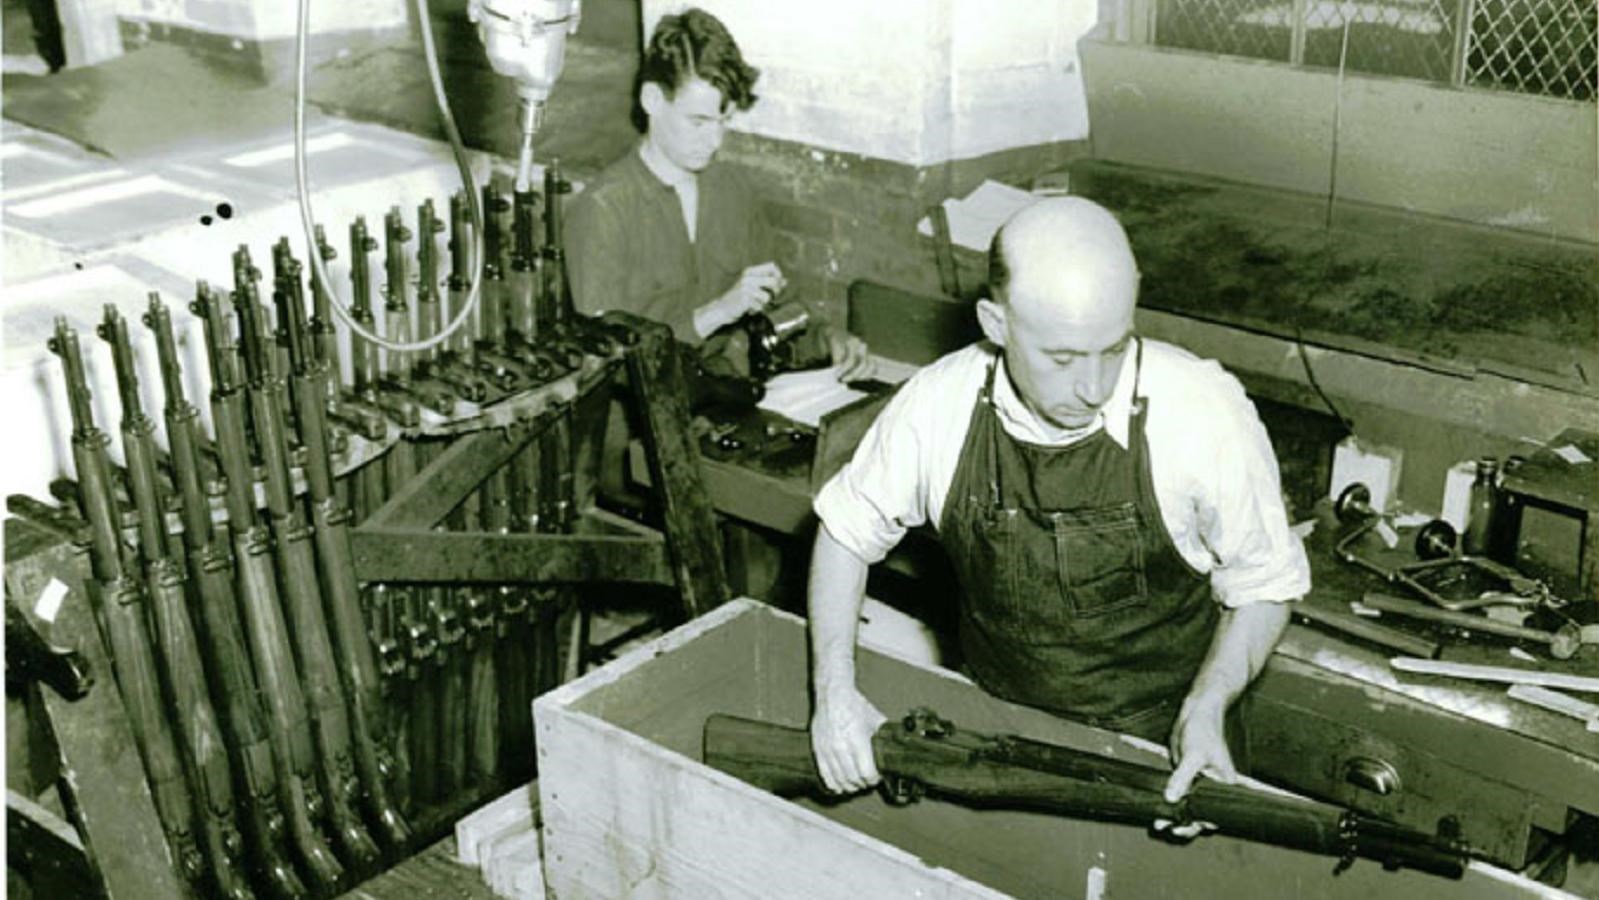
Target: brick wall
column 842, row 216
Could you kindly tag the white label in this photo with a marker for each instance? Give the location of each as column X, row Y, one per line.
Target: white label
column 1572, row 455
column 1094, row 886
column 1389, row 536
column 49, row 602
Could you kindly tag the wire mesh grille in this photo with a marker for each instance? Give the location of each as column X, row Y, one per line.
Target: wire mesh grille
column 1414, row 39
column 1535, row 46
column 1531, row 46
column 1262, row 29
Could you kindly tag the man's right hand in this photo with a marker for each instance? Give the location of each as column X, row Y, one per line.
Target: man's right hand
column 841, row 738
column 752, row 292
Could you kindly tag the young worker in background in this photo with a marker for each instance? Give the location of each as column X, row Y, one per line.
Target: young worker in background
column 665, row 232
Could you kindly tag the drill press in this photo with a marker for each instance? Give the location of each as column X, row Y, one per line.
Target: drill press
column 526, row 42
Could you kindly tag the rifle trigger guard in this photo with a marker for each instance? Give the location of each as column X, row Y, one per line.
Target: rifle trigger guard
column 925, row 722
column 901, row 791
column 1348, row 837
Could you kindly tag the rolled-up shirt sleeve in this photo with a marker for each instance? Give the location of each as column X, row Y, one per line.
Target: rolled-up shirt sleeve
column 1241, row 517
column 882, row 491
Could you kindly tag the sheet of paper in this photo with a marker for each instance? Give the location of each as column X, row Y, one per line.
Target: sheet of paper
column 807, row 396
column 973, row 219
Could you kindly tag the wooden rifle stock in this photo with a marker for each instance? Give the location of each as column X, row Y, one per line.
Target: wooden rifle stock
column 265, row 631
column 222, row 642
column 922, row 753
column 341, row 595
column 178, row 654
column 302, row 595
column 120, row 614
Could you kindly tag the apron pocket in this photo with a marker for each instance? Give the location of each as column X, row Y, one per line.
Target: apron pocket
column 1100, row 559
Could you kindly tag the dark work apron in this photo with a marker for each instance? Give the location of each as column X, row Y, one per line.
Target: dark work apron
column 1074, row 598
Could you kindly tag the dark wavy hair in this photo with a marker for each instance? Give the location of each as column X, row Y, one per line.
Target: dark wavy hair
column 694, row 44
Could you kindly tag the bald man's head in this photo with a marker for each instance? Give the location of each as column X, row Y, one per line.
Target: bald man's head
column 1063, row 250
column 1063, row 284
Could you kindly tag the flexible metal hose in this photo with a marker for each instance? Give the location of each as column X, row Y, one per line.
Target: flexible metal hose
column 302, row 187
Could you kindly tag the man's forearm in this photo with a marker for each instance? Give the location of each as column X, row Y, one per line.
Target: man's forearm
column 837, row 587
column 1244, row 640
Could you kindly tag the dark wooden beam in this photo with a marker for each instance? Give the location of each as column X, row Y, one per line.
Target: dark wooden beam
column 449, row 478
column 672, row 451
column 422, row 555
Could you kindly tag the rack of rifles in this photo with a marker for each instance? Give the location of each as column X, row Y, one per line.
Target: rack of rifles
column 300, row 729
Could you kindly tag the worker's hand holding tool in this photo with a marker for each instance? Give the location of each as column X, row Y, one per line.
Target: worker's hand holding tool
column 753, row 291
column 842, row 726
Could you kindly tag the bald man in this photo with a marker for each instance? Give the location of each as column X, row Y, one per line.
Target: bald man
column 1110, row 503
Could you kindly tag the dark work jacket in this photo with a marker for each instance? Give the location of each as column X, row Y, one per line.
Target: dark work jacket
column 627, row 247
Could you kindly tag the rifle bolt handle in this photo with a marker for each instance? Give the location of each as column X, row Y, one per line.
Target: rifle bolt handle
column 1374, row 775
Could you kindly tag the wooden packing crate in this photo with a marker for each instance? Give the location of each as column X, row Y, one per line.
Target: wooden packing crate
column 630, row 812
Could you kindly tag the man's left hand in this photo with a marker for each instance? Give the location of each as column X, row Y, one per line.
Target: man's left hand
column 1199, row 747
column 850, row 355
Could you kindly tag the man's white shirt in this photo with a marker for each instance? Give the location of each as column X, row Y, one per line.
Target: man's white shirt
column 1211, row 463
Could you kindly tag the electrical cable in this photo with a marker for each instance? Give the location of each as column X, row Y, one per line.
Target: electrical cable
column 1304, row 358
column 1332, row 195
column 1338, row 115
column 302, row 187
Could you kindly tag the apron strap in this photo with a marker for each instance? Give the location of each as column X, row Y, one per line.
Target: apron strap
column 990, row 421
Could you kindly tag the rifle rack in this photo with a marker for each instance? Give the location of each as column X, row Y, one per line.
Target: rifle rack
column 405, row 540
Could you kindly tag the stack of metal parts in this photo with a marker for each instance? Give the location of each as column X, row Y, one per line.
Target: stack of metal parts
column 301, row 728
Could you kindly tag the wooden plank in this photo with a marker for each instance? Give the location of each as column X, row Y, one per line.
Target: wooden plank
column 432, row 872
column 403, row 554
column 622, row 818
column 103, row 775
column 779, row 503
column 45, row 850
column 629, row 812
column 526, row 871
column 441, row 486
column 656, row 380
column 1503, row 674
column 509, row 853
column 515, row 807
column 1566, row 705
